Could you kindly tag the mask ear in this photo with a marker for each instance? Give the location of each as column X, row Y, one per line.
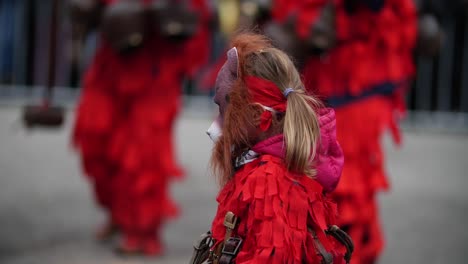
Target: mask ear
column 233, row 61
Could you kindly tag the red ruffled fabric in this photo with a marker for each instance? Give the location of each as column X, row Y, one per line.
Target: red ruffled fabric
column 275, row 208
column 124, row 133
column 198, row 49
column 373, row 48
column 281, row 10
column 308, row 11
column 360, row 127
column 124, row 126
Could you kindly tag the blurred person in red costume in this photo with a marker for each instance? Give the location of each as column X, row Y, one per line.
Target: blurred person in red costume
column 276, row 157
column 130, row 99
column 362, row 70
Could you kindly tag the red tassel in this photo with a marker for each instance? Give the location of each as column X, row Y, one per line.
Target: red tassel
column 265, row 120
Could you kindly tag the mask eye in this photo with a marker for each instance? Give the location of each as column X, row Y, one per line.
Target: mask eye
column 219, row 107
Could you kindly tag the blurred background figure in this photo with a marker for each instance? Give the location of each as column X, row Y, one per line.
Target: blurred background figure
column 363, row 72
column 131, row 97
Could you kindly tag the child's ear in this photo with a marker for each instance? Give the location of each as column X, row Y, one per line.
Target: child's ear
column 233, row 61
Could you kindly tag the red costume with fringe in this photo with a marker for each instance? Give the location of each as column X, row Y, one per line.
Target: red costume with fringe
column 276, row 208
column 364, row 78
column 124, row 126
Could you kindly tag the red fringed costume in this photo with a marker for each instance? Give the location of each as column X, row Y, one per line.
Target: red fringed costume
column 276, row 208
column 363, row 78
column 124, row 128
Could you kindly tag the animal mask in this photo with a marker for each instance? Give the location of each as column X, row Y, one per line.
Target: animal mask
column 224, row 83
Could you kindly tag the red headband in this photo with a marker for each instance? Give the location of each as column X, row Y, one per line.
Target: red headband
column 267, row 94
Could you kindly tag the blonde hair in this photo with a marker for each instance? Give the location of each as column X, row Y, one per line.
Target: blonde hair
column 301, row 126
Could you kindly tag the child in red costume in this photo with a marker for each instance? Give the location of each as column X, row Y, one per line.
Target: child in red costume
column 275, row 157
column 364, row 77
column 124, row 130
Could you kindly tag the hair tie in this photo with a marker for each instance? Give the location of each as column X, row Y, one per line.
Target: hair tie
column 287, row 92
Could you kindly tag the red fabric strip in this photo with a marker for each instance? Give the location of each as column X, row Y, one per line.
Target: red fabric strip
column 266, row 93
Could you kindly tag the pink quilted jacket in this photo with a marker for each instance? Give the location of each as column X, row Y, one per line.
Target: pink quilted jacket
column 329, row 159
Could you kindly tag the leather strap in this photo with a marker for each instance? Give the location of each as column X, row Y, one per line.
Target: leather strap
column 230, row 222
column 327, row 257
column 342, row 237
column 226, row 251
column 230, row 249
column 201, row 248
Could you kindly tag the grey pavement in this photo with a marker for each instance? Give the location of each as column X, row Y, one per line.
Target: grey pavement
column 47, row 214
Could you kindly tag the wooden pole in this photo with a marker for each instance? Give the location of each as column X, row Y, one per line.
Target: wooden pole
column 52, row 53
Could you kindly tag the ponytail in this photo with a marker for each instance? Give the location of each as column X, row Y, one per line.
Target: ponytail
column 301, row 131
